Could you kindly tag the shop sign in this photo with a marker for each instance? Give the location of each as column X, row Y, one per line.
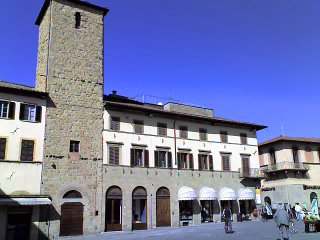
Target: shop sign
column 258, row 196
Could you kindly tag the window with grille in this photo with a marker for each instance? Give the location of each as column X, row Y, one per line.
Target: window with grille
column 225, row 162
column 114, row 155
column 243, row 138
column 7, row 109
column 74, row 146
column 183, row 132
column 3, row 145
column 115, row 123
column 138, row 126
column 30, row 112
column 162, row 129
column 203, row 134
column 27, row 150
column 224, row 136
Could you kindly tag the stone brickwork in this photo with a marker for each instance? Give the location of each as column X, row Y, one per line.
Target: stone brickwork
column 152, row 179
column 74, row 81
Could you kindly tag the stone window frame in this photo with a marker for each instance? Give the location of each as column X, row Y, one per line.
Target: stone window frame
column 224, row 154
column 6, row 147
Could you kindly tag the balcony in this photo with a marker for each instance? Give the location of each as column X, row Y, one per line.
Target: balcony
column 285, row 166
column 251, row 173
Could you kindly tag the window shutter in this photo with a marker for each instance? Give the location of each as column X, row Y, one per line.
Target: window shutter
column 3, row 142
column 199, row 162
column 27, row 148
column 156, row 158
column 169, row 160
column 210, row 163
column 132, row 157
column 146, row 158
column 111, row 155
column 21, row 115
column 38, row 113
column 12, row 108
column 116, row 156
column 190, row 161
column 179, row 160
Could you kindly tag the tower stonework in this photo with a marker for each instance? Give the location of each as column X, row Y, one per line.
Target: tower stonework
column 70, row 70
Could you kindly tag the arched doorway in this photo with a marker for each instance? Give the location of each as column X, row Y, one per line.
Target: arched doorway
column 163, row 207
column 113, row 209
column 139, row 209
column 71, row 219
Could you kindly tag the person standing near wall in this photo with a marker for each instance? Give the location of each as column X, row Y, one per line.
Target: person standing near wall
column 298, row 209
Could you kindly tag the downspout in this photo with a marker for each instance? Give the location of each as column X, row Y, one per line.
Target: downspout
column 175, row 142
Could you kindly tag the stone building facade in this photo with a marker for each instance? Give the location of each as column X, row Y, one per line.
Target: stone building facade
column 107, row 162
column 291, row 166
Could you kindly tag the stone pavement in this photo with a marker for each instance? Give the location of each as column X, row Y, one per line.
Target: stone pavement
column 244, row 230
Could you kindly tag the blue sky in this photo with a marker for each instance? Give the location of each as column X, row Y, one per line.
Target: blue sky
column 249, row 60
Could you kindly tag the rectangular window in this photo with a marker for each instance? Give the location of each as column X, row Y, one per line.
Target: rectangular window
column 162, row 159
column 185, row 160
column 78, row 19
column 3, row 146
column 224, row 136
column 115, row 123
column 245, row 165
column 138, row 126
column 225, row 162
column 30, row 112
column 27, row 149
column 114, row 156
column 203, row 134
column 183, row 131
column 243, row 138
column 74, row 146
column 4, row 109
column 139, row 157
column 203, row 162
column 162, row 129
column 272, row 156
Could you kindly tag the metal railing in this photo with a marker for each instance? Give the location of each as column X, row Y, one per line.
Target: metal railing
column 285, row 166
column 251, row 173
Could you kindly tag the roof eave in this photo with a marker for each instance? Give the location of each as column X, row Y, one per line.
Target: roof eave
column 24, row 92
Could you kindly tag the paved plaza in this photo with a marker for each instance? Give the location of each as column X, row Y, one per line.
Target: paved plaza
column 244, row 230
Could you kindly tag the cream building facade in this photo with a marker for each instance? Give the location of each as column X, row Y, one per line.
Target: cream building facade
column 291, row 166
column 76, row 161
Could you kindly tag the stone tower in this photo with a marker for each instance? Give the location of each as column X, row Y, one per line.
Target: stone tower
column 70, row 69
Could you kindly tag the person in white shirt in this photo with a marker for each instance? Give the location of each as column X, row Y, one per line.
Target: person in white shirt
column 298, row 209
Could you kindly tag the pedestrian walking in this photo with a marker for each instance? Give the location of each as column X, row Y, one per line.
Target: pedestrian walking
column 263, row 213
column 281, row 217
column 227, row 219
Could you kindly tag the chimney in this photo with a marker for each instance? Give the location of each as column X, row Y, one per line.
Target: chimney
column 114, row 93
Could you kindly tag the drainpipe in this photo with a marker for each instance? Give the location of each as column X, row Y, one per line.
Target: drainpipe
column 175, row 142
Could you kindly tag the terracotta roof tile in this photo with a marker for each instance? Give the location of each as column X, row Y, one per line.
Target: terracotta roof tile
column 285, row 138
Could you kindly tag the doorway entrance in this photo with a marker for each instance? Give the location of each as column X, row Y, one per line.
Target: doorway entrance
column 206, row 210
column 71, row 220
column 18, row 223
column 139, row 209
column 113, row 209
column 163, row 207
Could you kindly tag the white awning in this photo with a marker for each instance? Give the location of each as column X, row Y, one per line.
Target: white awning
column 25, row 201
column 227, row 194
column 186, row 193
column 245, row 194
column 207, row 193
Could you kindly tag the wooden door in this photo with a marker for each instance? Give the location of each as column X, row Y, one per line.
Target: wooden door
column 163, row 208
column 113, row 215
column 245, row 166
column 71, row 220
